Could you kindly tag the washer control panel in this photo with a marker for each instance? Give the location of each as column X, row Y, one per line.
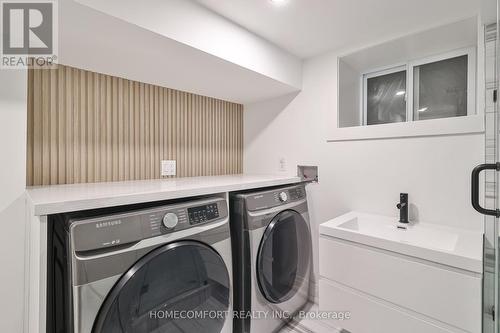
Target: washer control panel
column 163, row 221
column 170, row 220
column 185, row 216
column 112, row 230
column 202, row 214
column 282, row 196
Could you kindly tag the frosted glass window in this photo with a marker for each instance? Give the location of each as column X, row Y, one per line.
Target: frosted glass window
column 440, row 86
column 386, row 98
column 440, row 89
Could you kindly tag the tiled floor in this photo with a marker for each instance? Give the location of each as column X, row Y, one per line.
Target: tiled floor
column 309, row 325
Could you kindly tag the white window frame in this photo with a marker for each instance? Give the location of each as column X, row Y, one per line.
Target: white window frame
column 409, row 67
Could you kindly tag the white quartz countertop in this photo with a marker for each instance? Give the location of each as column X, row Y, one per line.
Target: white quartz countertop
column 67, row 198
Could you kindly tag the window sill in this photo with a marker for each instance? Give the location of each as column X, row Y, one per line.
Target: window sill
column 434, row 127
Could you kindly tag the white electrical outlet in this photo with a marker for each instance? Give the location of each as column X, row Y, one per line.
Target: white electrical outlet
column 282, row 166
column 168, row 167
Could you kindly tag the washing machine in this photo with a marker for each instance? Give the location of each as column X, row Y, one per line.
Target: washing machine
column 162, row 269
column 272, row 250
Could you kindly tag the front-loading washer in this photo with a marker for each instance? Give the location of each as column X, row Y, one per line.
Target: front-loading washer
column 272, row 250
column 161, row 269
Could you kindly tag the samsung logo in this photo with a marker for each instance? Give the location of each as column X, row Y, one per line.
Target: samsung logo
column 106, row 224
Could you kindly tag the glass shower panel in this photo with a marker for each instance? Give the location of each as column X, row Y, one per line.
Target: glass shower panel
column 491, row 197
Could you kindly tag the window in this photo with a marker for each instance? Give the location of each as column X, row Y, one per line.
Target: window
column 440, row 89
column 431, row 88
column 385, row 100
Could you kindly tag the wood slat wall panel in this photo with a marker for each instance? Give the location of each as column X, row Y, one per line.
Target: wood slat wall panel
column 86, row 127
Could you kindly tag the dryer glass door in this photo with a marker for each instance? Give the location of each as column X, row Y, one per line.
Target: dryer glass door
column 284, row 256
column 165, row 289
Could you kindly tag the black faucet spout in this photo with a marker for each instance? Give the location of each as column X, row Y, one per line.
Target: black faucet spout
column 403, row 208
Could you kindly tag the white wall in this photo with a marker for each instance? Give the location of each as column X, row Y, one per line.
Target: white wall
column 13, row 111
column 360, row 175
column 432, row 41
column 194, row 25
column 350, row 90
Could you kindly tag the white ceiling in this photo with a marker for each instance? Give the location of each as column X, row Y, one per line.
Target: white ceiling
column 310, row 27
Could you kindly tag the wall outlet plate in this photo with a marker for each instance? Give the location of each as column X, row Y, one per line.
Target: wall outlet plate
column 168, row 168
column 282, row 164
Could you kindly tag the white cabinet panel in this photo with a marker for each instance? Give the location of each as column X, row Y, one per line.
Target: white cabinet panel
column 367, row 315
column 448, row 295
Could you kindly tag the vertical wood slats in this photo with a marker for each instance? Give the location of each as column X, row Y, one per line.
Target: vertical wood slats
column 86, row 127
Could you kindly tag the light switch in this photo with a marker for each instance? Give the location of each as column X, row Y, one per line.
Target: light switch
column 168, row 167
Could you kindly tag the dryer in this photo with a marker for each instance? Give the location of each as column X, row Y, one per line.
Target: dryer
column 272, row 250
column 166, row 268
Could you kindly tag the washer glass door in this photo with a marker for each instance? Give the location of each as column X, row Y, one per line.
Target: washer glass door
column 284, row 256
column 165, row 289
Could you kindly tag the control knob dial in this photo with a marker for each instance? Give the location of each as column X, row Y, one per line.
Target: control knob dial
column 170, row 220
column 283, row 197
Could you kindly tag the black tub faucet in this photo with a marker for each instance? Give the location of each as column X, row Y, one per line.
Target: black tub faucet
column 403, row 208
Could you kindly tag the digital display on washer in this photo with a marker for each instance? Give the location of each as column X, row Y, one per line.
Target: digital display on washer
column 202, row 214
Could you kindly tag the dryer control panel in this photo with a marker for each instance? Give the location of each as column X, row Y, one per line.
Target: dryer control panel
column 274, row 198
column 117, row 229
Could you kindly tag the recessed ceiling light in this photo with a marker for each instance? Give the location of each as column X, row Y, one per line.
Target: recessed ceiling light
column 400, row 93
column 278, row 2
column 422, row 109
